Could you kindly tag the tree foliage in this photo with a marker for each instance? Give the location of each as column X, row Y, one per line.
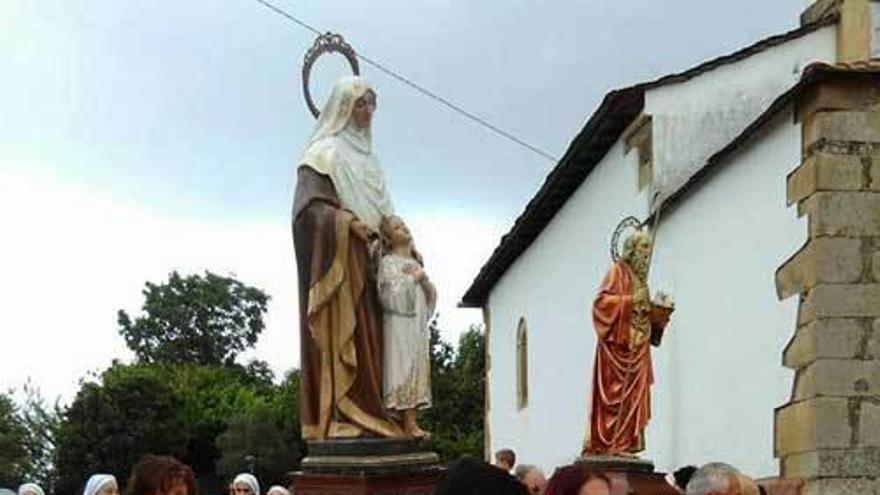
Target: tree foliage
column 42, row 422
column 458, row 390
column 182, row 410
column 14, row 462
column 205, row 320
column 111, row 424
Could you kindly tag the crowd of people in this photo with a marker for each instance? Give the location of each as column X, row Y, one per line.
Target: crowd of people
column 156, row 475
column 162, row 475
column 470, row 476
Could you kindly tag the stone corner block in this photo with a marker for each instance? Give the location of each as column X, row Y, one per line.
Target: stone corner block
column 825, row 172
column 850, row 214
column 809, row 425
column 841, row 126
column 821, row 260
column 841, row 301
column 835, row 338
column 838, row 378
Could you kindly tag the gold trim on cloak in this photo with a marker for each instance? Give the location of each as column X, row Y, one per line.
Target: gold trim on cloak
column 332, row 303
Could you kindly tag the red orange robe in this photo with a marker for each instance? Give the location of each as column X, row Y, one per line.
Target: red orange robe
column 622, row 374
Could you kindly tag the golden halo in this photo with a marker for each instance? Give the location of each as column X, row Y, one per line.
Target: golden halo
column 325, row 43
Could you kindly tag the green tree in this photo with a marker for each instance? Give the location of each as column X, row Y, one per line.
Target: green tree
column 132, row 412
column 458, row 390
column 265, row 440
column 42, row 422
column 197, row 319
column 14, row 462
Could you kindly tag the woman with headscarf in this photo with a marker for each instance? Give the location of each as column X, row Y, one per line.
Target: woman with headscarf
column 339, row 203
column 246, row 484
column 30, row 489
column 101, row 484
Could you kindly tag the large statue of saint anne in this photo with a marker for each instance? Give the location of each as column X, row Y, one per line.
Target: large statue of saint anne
column 339, row 204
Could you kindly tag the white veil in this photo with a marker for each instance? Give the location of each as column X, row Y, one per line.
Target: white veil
column 342, row 151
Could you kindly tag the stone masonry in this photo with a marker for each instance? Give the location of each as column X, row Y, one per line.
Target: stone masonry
column 828, row 434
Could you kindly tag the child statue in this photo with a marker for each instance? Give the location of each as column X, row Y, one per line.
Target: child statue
column 408, row 300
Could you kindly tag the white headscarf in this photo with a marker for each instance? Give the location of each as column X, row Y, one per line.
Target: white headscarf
column 97, row 482
column 342, row 151
column 249, row 480
column 30, row 487
column 278, row 488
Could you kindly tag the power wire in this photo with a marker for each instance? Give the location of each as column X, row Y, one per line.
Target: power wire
column 439, row 99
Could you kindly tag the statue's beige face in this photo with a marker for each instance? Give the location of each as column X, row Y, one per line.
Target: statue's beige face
column 399, row 232
column 638, row 252
column 364, row 107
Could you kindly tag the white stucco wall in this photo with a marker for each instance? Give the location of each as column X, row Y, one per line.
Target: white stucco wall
column 694, row 119
column 719, row 372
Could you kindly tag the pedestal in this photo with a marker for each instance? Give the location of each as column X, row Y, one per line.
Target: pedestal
column 368, row 466
column 638, row 473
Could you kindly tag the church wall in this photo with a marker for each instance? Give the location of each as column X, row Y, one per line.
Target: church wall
column 719, row 375
column 694, row 119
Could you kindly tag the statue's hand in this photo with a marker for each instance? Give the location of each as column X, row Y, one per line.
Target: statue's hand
column 362, row 230
column 417, row 273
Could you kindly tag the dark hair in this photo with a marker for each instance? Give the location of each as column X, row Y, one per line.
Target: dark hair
column 683, row 475
column 568, row 480
column 506, row 455
column 470, row 476
column 762, row 490
column 155, row 474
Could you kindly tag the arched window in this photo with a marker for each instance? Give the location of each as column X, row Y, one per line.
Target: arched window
column 522, row 364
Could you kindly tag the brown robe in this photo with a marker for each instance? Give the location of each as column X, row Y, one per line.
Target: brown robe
column 622, row 374
column 340, row 319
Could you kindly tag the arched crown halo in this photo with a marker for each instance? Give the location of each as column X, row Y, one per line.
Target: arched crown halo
column 628, row 225
column 325, row 43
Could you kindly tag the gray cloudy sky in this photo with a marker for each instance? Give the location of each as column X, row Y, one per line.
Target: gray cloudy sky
column 142, row 136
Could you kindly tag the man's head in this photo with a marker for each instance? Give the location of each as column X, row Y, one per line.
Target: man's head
column 637, row 251
column 718, row 478
column 532, row 477
column 505, row 459
column 619, row 483
column 595, row 484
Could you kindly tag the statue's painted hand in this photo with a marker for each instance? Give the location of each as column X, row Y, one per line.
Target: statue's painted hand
column 362, row 230
column 417, row 273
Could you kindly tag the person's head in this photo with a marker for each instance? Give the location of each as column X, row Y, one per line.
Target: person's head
column 246, row 484
column 101, row 484
column 470, row 476
column 595, row 484
column 575, row 479
column 505, row 459
column 278, row 490
column 619, row 483
column 715, row 478
column 161, row 475
column 682, row 476
column 637, row 251
column 30, row 489
column 531, row 477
